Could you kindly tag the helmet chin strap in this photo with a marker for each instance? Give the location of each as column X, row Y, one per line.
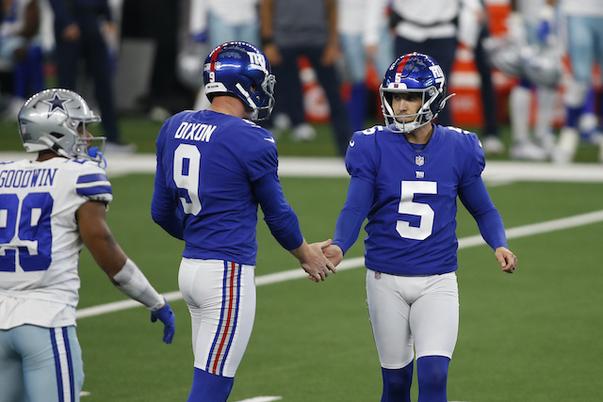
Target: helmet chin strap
column 250, row 102
column 54, row 146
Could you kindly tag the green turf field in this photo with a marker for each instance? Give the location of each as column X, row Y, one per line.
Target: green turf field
column 534, row 336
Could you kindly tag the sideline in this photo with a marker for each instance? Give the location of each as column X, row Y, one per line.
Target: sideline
column 352, row 263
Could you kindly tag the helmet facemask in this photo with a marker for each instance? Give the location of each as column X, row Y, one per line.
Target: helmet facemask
column 398, row 122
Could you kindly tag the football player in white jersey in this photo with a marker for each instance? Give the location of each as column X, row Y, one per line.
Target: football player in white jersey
column 49, row 208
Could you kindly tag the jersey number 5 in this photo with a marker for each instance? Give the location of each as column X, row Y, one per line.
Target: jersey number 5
column 187, row 162
column 408, row 206
column 34, row 234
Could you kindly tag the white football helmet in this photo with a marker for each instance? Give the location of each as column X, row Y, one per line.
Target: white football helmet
column 56, row 119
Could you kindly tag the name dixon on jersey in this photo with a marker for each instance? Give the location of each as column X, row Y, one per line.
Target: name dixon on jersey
column 194, row 131
column 21, row 178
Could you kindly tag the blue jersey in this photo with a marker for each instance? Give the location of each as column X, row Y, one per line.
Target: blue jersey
column 212, row 171
column 412, row 214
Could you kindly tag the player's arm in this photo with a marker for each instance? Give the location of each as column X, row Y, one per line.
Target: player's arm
column 267, row 32
column 331, row 52
column 163, row 205
column 284, row 226
column 360, row 165
column 164, row 208
column 122, row 271
column 357, row 206
column 476, row 199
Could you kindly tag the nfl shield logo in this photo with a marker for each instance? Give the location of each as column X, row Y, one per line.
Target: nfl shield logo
column 420, row 160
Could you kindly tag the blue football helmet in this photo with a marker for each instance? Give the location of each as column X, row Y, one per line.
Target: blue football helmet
column 413, row 73
column 241, row 70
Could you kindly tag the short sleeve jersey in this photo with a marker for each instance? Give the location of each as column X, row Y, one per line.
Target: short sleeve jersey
column 39, row 237
column 207, row 163
column 412, row 221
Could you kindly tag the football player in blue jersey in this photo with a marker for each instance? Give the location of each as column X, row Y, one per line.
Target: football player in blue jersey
column 214, row 167
column 405, row 177
column 48, row 208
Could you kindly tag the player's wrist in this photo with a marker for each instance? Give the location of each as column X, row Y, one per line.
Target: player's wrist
column 132, row 282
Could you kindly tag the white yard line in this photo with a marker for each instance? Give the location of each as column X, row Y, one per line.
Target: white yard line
column 262, row 399
column 496, row 171
column 352, row 263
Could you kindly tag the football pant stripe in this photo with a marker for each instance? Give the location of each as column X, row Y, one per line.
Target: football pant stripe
column 217, row 335
column 57, row 364
column 229, row 316
column 69, row 363
column 239, row 278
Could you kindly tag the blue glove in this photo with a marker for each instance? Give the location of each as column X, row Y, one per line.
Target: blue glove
column 167, row 317
column 544, row 30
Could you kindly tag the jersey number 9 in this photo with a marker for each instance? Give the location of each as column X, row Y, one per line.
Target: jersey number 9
column 187, row 162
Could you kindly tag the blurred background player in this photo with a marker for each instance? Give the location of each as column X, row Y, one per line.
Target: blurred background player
column 218, row 21
column 532, row 29
column 428, row 28
column 364, row 38
column 491, row 139
column 83, row 30
column 584, row 25
column 214, row 167
column 294, row 28
column 406, row 177
column 21, row 51
column 48, row 208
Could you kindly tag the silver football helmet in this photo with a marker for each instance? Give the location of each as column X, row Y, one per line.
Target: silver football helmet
column 56, row 119
column 504, row 54
column 542, row 65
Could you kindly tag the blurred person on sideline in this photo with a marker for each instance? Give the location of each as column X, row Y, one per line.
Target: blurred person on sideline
column 429, row 28
column 214, row 168
column 490, row 131
column 406, row 177
column 52, row 206
column 83, row 30
column 294, row 28
column 531, row 26
column 584, row 25
column 218, row 21
column 364, row 39
column 21, row 50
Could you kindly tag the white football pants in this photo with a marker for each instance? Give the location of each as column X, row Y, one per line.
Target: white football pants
column 407, row 311
column 221, row 299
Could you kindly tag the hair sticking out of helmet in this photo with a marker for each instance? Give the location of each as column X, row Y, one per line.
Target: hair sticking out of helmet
column 55, row 119
column 419, row 74
column 241, row 70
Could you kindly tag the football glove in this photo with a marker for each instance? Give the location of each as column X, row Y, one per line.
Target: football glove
column 167, row 317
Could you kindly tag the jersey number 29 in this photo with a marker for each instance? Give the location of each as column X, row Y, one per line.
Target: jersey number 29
column 33, row 230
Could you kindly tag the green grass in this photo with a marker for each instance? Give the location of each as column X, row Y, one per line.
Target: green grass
column 142, row 132
column 533, row 336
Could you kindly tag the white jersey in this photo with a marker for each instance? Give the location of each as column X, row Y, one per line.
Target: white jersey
column 39, row 238
column 421, row 22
